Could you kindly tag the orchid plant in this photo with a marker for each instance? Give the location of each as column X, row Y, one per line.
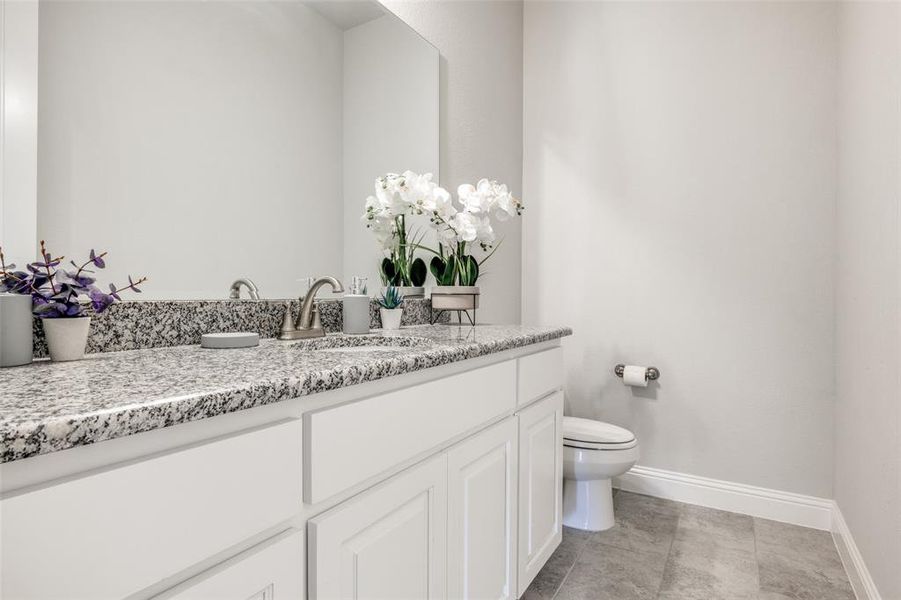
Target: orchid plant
column 458, row 226
column 459, row 229
column 396, row 198
column 60, row 293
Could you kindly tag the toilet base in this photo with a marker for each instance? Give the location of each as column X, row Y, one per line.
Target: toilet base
column 588, row 505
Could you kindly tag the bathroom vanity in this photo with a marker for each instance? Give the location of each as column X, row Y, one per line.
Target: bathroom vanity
column 425, row 464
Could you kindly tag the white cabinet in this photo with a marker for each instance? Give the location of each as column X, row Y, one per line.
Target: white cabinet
column 389, row 542
column 450, row 488
column 111, row 533
column 481, row 508
column 272, row 570
column 540, row 485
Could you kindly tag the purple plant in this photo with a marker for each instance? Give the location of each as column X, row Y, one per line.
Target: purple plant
column 59, row 293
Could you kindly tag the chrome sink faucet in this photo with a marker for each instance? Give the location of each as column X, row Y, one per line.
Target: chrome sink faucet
column 234, row 292
column 308, row 323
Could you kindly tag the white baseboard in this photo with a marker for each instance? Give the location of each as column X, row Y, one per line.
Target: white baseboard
column 787, row 507
column 861, row 581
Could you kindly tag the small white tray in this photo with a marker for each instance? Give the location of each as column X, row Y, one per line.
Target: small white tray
column 230, row 340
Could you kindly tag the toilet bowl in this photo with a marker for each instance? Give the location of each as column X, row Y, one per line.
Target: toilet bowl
column 593, row 453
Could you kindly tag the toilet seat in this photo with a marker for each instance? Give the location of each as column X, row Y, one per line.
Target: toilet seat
column 588, row 434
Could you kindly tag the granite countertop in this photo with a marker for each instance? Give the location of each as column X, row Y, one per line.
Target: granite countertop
column 46, row 407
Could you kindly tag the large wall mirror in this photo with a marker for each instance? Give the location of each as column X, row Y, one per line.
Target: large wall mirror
column 200, row 141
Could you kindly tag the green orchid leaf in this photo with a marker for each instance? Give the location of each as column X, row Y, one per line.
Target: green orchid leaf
column 388, row 272
column 442, row 270
column 469, row 270
column 418, row 272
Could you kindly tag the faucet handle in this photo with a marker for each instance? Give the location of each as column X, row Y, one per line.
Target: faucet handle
column 297, row 323
column 316, row 320
column 287, row 323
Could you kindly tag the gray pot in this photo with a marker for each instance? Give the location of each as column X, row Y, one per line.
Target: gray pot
column 16, row 344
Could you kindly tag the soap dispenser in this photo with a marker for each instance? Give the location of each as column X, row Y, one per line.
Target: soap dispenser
column 356, row 307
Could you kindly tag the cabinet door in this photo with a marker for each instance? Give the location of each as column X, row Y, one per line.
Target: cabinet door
column 481, row 536
column 540, row 485
column 271, row 571
column 389, row 542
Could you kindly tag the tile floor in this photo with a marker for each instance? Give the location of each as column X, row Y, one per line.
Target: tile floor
column 667, row 550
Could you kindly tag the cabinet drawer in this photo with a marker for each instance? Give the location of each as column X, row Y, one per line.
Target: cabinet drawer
column 347, row 445
column 273, row 570
column 114, row 532
column 539, row 374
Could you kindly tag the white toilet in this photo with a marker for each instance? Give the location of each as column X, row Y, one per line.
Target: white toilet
column 593, row 452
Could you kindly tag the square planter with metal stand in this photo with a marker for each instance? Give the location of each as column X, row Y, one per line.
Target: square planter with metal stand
column 455, row 298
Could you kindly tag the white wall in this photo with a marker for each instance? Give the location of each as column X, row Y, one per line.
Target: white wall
column 196, row 142
column 480, row 117
column 679, row 173
column 868, row 412
column 390, row 125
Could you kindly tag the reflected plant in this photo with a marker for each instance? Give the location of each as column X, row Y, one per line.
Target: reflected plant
column 62, row 293
column 396, row 198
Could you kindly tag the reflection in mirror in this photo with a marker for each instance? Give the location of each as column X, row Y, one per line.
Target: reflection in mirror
column 200, row 142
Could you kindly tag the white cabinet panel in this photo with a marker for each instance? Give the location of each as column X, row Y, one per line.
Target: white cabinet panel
column 273, row 570
column 389, row 542
column 482, row 515
column 349, row 444
column 540, row 485
column 112, row 533
column 539, row 374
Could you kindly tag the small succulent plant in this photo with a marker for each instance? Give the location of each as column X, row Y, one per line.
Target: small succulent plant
column 391, row 298
column 59, row 293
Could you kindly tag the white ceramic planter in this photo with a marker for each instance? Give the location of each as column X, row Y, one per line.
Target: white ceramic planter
column 66, row 337
column 391, row 318
column 455, row 297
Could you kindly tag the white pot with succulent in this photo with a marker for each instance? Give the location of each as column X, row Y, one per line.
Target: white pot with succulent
column 391, row 308
column 63, row 299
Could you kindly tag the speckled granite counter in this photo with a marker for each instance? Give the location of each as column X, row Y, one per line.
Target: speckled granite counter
column 46, row 407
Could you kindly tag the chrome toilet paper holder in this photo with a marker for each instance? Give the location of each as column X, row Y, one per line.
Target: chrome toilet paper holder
column 650, row 374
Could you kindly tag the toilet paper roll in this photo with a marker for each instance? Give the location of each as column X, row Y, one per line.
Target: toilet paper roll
column 635, row 376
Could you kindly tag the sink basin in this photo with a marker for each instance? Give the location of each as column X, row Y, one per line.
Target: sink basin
column 361, row 344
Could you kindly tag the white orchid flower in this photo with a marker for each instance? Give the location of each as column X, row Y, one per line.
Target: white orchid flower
column 466, row 225
column 484, row 232
column 478, row 198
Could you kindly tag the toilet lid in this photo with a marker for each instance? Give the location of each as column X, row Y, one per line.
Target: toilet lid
column 590, row 431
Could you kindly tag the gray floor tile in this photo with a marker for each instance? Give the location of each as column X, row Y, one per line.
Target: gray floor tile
column 729, row 529
column 799, row 563
column 712, row 556
column 700, row 567
column 643, row 524
column 794, row 578
column 672, row 551
column 809, row 545
column 608, row 573
column 548, row 580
